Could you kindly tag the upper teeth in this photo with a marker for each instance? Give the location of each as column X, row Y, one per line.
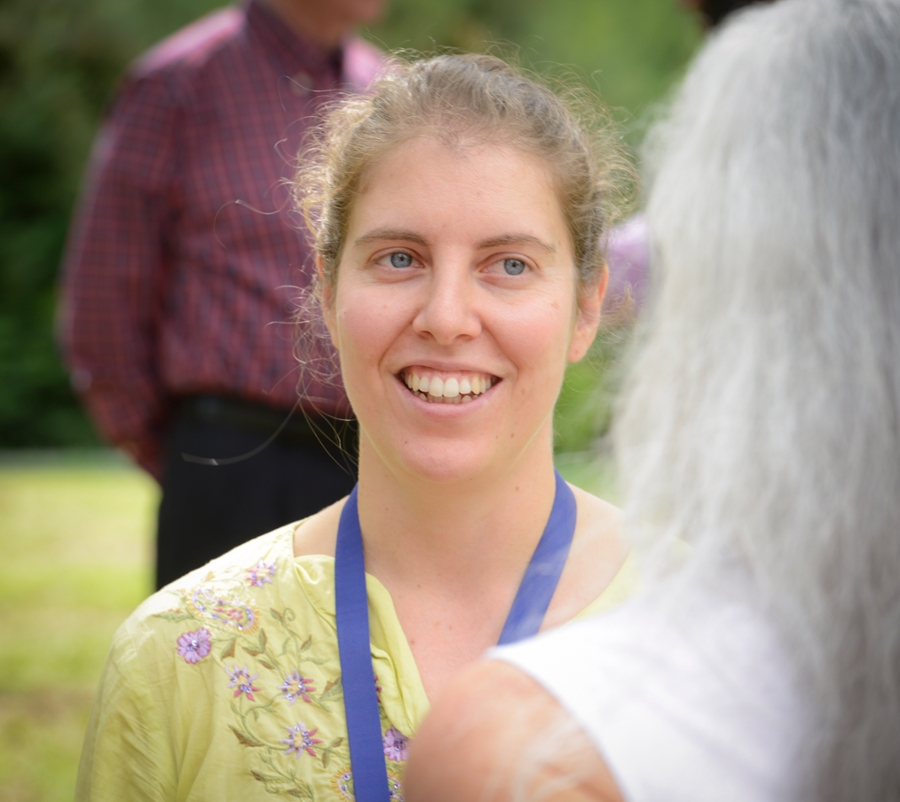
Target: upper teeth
column 437, row 387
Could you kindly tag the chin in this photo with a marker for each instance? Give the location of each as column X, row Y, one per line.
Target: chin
column 455, row 463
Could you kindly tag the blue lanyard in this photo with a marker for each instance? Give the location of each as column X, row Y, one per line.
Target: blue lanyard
column 370, row 783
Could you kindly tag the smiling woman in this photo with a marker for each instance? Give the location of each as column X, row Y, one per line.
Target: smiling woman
column 458, row 211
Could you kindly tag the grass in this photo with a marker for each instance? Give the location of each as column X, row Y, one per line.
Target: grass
column 76, row 538
column 76, row 541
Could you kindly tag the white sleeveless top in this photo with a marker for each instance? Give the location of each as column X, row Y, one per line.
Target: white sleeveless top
column 688, row 708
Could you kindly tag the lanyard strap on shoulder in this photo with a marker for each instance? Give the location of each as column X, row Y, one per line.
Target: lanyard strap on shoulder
column 370, row 783
column 542, row 575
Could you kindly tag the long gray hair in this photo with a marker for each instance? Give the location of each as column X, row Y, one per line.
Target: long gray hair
column 762, row 420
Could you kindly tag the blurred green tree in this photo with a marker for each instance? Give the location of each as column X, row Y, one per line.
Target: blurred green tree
column 59, row 64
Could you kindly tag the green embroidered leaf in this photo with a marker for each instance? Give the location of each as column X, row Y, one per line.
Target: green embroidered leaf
column 263, row 640
column 257, row 776
column 228, row 651
column 306, row 644
column 175, row 615
column 254, row 652
column 335, row 742
column 267, row 665
column 246, row 741
column 277, row 615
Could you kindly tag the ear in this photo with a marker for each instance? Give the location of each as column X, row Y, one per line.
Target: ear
column 326, row 297
column 589, row 305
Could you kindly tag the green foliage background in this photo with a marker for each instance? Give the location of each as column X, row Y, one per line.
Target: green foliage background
column 59, row 64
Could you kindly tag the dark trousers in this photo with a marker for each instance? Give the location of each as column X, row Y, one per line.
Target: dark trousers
column 208, row 509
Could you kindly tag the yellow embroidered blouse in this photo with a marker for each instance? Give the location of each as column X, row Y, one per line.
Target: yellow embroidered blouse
column 227, row 685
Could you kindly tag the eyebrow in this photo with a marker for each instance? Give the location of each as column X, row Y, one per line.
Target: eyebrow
column 512, row 239
column 381, row 234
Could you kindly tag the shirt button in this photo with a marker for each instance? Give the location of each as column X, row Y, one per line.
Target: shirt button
column 301, row 84
column 81, row 379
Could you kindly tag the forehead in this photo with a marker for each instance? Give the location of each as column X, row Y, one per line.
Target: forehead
column 482, row 189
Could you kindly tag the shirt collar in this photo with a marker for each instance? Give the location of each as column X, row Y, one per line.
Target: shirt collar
column 291, row 51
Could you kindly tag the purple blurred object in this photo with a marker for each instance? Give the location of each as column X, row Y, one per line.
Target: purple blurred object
column 627, row 254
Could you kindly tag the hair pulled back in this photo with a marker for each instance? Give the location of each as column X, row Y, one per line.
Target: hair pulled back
column 463, row 100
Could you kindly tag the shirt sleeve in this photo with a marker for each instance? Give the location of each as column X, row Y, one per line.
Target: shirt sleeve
column 115, row 268
column 127, row 755
column 684, row 704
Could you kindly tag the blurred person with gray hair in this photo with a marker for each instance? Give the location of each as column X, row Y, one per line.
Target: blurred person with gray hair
column 761, row 423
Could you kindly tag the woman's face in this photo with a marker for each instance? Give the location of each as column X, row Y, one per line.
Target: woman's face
column 455, row 309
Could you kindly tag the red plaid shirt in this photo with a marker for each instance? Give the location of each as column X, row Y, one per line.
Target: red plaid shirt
column 184, row 261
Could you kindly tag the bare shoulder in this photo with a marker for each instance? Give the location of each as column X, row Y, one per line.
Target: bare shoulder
column 598, row 515
column 599, row 542
column 500, row 727
column 598, row 552
column 318, row 533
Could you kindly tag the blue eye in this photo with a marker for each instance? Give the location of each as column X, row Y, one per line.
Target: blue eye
column 400, row 259
column 513, row 267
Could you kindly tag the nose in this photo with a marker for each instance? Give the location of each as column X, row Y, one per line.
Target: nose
column 448, row 310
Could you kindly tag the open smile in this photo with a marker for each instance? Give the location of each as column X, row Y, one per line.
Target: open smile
column 446, row 388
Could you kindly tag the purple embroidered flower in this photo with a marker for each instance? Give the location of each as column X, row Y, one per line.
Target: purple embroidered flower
column 263, row 572
column 194, row 646
column 297, row 687
column 300, row 740
column 396, row 745
column 242, row 682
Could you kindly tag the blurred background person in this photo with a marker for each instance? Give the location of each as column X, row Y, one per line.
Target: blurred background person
column 760, row 423
column 181, row 269
column 714, row 12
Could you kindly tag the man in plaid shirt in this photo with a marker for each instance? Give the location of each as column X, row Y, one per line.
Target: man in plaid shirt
column 182, row 270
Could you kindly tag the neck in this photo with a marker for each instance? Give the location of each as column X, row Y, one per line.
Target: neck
column 311, row 20
column 415, row 528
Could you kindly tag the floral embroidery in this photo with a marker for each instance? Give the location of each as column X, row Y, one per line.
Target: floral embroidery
column 296, row 687
column 396, row 745
column 395, row 787
column 261, row 573
column 300, row 740
column 242, row 682
column 194, row 646
column 342, row 782
column 242, row 619
column 233, row 613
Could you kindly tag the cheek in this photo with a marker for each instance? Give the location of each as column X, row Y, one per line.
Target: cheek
column 365, row 333
column 357, row 334
column 538, row 340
